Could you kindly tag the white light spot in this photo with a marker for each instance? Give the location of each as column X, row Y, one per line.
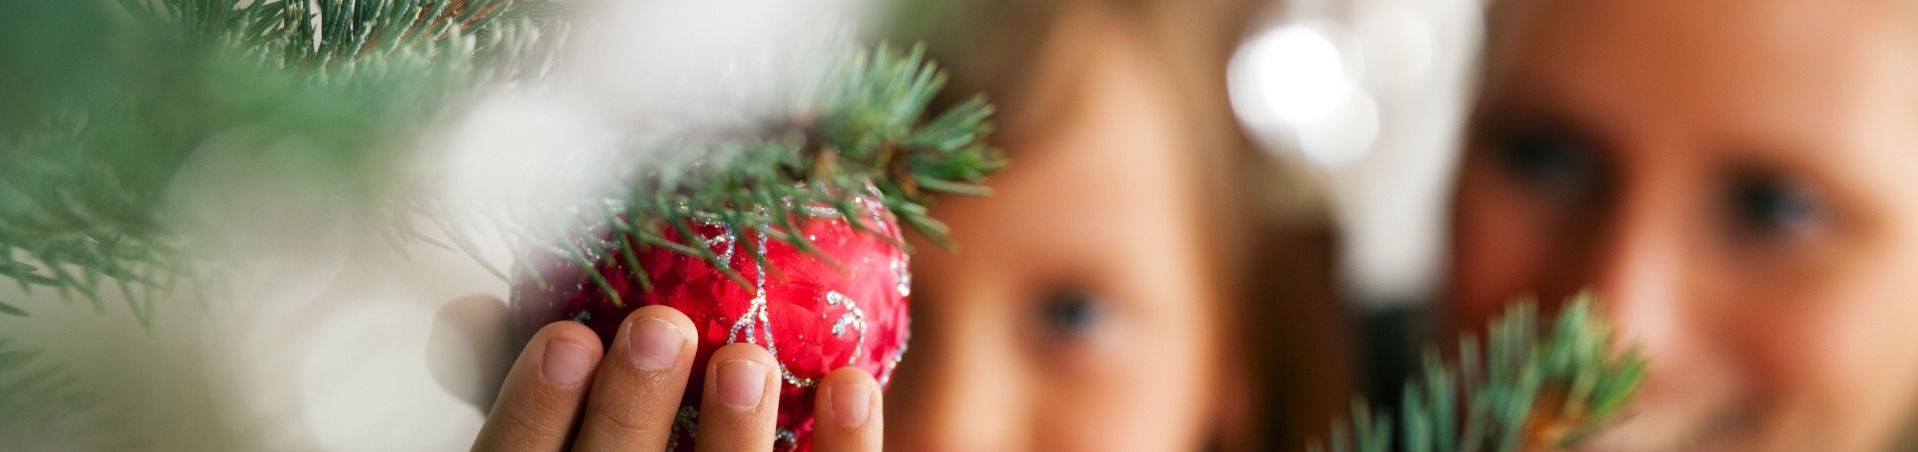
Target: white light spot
column 1291, row 74
column 1293, row 89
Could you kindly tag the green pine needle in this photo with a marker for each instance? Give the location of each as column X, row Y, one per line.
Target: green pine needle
column 109, row 101
column 865, row 133
column 45, row 407
column 1535, row 390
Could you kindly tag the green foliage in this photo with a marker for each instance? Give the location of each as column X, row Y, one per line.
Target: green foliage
column 43, row 407
column 864, row 131
column 1522, row 391
column 116, row 100
column 109, row 101
column 30, row 384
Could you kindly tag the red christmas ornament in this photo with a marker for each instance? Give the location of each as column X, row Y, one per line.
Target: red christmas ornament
column 815, row 315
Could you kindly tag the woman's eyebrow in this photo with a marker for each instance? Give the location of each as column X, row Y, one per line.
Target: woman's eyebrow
column 1496, row 117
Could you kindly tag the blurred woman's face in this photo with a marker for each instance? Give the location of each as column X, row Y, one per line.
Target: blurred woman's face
column 1735, row 179
column 1078, row 315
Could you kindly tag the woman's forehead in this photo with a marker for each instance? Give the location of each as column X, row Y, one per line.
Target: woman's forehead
column 1793, row 73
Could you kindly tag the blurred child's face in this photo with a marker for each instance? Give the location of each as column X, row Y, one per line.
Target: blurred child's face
column 1736, row 179
column 1078, row 315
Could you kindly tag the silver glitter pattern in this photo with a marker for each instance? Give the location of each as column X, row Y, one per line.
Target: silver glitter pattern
column 901, row 271
column 754, row 324
column 885, row 376
column 724, row 239
column 854, row 317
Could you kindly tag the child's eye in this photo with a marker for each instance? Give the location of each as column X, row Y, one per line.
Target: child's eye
column 1768, row 206
column 1550, row 159
column 1069, row 313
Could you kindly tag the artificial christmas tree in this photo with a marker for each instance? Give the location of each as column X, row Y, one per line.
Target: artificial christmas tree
column 787, row 235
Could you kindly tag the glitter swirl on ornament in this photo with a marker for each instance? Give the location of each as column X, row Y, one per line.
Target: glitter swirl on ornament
column 755, row 320
column 837, row 301
column 854, row 317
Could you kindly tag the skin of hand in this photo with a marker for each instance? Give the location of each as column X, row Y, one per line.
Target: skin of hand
column 564, row 393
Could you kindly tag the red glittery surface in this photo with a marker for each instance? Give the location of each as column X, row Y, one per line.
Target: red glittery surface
column 865, row 268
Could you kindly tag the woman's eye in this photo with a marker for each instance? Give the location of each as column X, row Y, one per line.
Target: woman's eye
column 1070, row 312
column 1550, row 159
column 1770, row 206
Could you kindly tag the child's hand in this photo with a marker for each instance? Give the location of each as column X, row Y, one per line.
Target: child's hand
column 631, row 394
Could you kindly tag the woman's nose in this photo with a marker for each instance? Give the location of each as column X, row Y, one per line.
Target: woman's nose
column 1641, row 268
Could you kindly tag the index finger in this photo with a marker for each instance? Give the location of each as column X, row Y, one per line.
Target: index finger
column 637, row 391
column 543, row 392
column 741, row 401
column 848, row 413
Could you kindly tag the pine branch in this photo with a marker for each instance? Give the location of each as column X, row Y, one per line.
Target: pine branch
column 43, row 407
column 110, row 102
column 863, row 134
column 113, row 104
column 1532, row 392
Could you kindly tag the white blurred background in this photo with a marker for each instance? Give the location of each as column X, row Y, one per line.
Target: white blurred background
column 1372, row 93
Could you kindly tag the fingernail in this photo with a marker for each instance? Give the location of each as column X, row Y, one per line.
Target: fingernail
column 654, row 344
column 851, row 403
column 741, row 383
column 566, row 363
